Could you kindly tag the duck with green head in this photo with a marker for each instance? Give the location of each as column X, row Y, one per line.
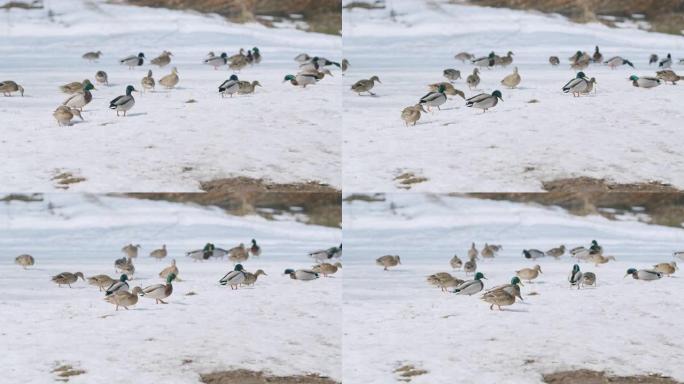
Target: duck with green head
column 81, row 99
column 434, row 99
column 471, row 287
column 117, row 286
column 644, row 81
column 159, row 292
column 577, row 85
column 484, row 101
column 575, row 277
column 256, row 54
column 124, row 102
column 644, row 274
column 301, row 79
column 234, row 278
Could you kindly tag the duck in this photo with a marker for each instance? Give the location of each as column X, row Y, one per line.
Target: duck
column 451, row 74
column 74, row 87
column 255, row 249
column 575, row 277
column 245, row 87
column 345, row 65
column 301, row 274
column 159, row 292
column 473, row 80
column 464, row 56
column 666, row 269
column 171, row 80
column 588, row 278
column 130, row 250
column 484, row 101
column 581, row 64
column 411, row 114
column 318, row 74
column 577, row 85
column 668, row 75
column 335, row 252
column 118, row 286
column 434, row 99
column 238, row 254
column 81, row 99
column 532, row 254
column 251, row 278
column 666, row 62
column 124, row 102
column 644, row 274
column 513, row 288
column 529, row 274
column 556, row 252
column 101, row 77
column 590, row 86
column 495, row 247
column 487, row 252
column 67, row 278
column 8, row 87
column 512, row 80
column 238, row 63
column 256, row 54
column 234, row 278
column 125, row 265
column 217, row 61
column 171, row 269
column 25, row 260
column 554, row 60
column 498, row 297
column 652, row 59
column 471, row 287
column 455, row 262
column 147, row 82
column 644, row 81
column 92, row 56
column 64, row 115
column 485, row 61
column 323, row 62
column 133, row 60
column 124, row 298
column 326, row 269
column 365, row 85
column 598, row 259
column 449, row 89
column 229, row 87
column 388, row 261
column 101, row 281
column 444, row 280
column 505, row 60
column 302, row 58
column 580, row 56
column 473, row 252
column 470, row 266
column 159, row 253
column 617, row 61
column 238, row 56
column 322, row 255
column 597, row 57
column 162, row 60
column 301, row 80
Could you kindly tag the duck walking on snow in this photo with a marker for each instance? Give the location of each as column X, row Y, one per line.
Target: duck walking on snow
column 67, row 278
column 159, row 292
column 301, row 79
column 575, row 277
column 668, row 75
column 147, row 82
column 365, row 85
column 577, row 85
column 124, row 102
column 8, row 87
column 471, row 287
column 101, row 77
column 92, row 56
column 133, row 61
column 162, row 60
column 512, row 80
column 81, row 99
column 452, row 74
column 484, row 101
column 617, row 61
column 229, row 87
column 234, row 278
column 171, row 80
column 388, row 261
column 64, row 115
column 473, row 79
column 216, row 61
column 411, row 115
column 666, row 62
column 434, row 99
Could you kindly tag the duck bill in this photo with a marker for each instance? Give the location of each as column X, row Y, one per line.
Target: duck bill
column 521, row 283
column 500, row 98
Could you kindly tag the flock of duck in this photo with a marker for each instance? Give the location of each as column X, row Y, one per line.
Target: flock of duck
column 506, row 294
column 311, row 69
column 119, row 293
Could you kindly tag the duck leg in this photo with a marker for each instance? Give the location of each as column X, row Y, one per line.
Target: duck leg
column 162, row 301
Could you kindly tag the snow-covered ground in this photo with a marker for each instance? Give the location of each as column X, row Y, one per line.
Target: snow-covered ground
column 622, row 133
column 394, row 318
column 259, row 328
column 280, row 133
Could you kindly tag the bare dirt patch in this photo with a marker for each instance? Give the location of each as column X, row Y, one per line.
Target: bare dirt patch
column 64, row 371
column 246, row 184
column 243, row 376
column 585, row 376
column 63, row 179
column 407, row 372
column 407, row 180
column 588, row 184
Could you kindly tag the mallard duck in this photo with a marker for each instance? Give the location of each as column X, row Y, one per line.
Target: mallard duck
column 64, row 115
column 556, row 252
column 588, row 278
column 505, row 60
column 67, row 278
column 449, row 89
column 335, row 252
column 512, row 80
column 580, row 61
column 345, row 65
column 131, row 250
column 238, row 254
column 644, row 81
column 320, row 74
column 411, row 114
column 575, row 277
column 496, row 247
column 255, row 249
column 434, row 99
column 455, row 262
column 147, row 82
column 498, row 297
column 251, row 278
column 666, row 269
column 487, row 252
column 74, row 86
column 169, row 270
column 238, row 56
column 133, row 60
column 125, row 265
column 444, row 280
column 452, row 74
column 171, row 80
column 471, row 287
column 485, row 61
column 124, row 102
column 644, row 274
column 162, row 60
column 159, row 292
column 598, row 259
column 118, row 286
column 238, row 63
column 302, row 58
column 470, row 266
column 245, row 87
column 666, row 62
column 617, row 61
column 229, row 87
column 301, row 80
column 256, row 54
column 484, row 101
column 217, row 61
column 388, row 261
column 326, row 269
column 301, row 274
column 590, row 86
column 322, row 255
column 101, row 281
column 513, row 288
column 7, row 87
column 653, row 59
column 124, row 298
column 365, row 85
column 101, row 77
column 464, row 56
column 81, row 99
column 668, row 75
column 554, row 60
column 597, row 57
column 234, row 278
column 532, row 254
column 473, row 80
column 92, row 56
column 577, row 85
column 159, row 253
column 529, row 274
column 24, row 260
column 473, row 252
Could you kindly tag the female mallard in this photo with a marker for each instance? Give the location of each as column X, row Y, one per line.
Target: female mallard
column 597, row 57
column 159, row 253
column 487, row 252
column 131, row 250
column 229, row 87
column 644, row 81
column 512, row 80
column 74, row 86
column 577, row 85
column 484, row 101
column 485, row 61
column 124, row 102
column 434, row 99
column 505, row 60
column 473, row 252
column 118, row 286
column 124, row 298
column 668, row 75
column 171, row 269
column 147, row 82
column 255, row 249
column 666, row 62
column 617, row 61
column 411, row 115
column 101, row 281
column 449, row 89
column 600, row 259
column 171, row 80
column 666, row 268
column 644, row 274
column 464, row 56
column 216, row 61
column 471, row 287
column 251, row 278
column 556, row 252
column 162, row 60
column 301, row 80
column 473, row 79
column 238, row 63
column 81, row 99
column 234, row 278
column 590, row 86
column 24, row 260
column 588, row 278
column 455, row 262
column 452, row 74
column 7, row 87
column 301, row 274
column 159, row 292
column 513, row 288
column 575, row 277
column 653, row 59
column 125, row 265
column 101, row 77
column 554, row 60
column 388, row 261
column 580, row 61
column 532, row 254
column 498, row 297
column 238, row 56
column 67, row 278
column 365, row 85
column 444, row 281
column 92, row 56
column 64, row 115
column 238, row 254
column 133, row 61
column 245, row 87
column 529, row 274
column 345, row 65
column 326, row 269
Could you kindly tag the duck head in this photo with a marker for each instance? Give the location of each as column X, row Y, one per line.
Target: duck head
column 123, row 278
column 527, row 254
column 538, row 268
column 238, row 267
column 575, row 268
column 79, row 274
column 628, row 63
column 516, row 280
column 224, row 55
column 634, row 77
column 141, row 55
column 256, row 83
column 171, row 277
column 254, row 242
column 289, row 78
column 260, row 272
column 233, row 77
column 420, row 108
column 479, row 276
column 631, row 271
column 581, row 75
column 497, row 94
column 130, row 89
column 255, row 50
column 76, row 112
column 137, row 291
column 375, row 78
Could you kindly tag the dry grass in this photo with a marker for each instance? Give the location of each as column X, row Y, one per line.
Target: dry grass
column 243, row 376
column 585, row 376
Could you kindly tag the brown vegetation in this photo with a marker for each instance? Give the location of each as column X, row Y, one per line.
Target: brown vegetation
column 585, row 376
column 243, row 376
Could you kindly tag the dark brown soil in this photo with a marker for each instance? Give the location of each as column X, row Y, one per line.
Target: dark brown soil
column 585, row 376
column 587, row 184
column 243, row 376
column 408, row 179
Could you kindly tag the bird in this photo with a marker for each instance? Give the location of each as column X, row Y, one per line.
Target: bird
column 590, row 86
column 67, row 278
column 64, row 115
column 217, row 61
column 471, row 287
column 81, row 99
column 653, row 59
column 302, row 58
column 533, row 254
column 666, row 268
column 452, row 74
column 301, row 79
column 464, row 56
column 505, row 60
column 577, row 85
column 512, row 80
column 8, row 87
column 444, row 280
column 588, row 278
column 124, row 298
column 120, row 285
column 556, row 252
column 322, row 255
column 171, row 269
column 411, row 114
column 434, row 99
column 575, row 277
column 513, row 288
column 529, row 274
column 251, row 278
column 666, row 62
column 159, row 292
column 147, row 82
column 644, row 274
column 365, row 85
column 74, row 86
column 245, row 87
column 644, row 81
column 229, row 87
column 256, row 54
column 255, row 249
column 301, row 274
column 554, row 60
column 159, row 253
column 487, row 252
column 318, row 74
column 485, row 61
column 345, row 65
column 449, row 89
column 238, row 63
column 92, row 56
column 597, row 57
column 600, row 259
column 124, row 102
column 326, row 269
column 617, row 61
column 234, row 278
column 133, row 60
column 484, row 101
column 131, row 250
column 455, row 262
column 678, row 254
column 238, row 254
column 101, row 77
column 388, row 261
column 25, row 260
column 668, row 75
column 473, row 80
column 101, row 281
column 171, row 80
column 470, row 266
column 162, row 60
column 498, row 297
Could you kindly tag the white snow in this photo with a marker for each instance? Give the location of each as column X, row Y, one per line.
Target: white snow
column 393, row 318
column 280, row 133
column 622, row 133
column 259, row 328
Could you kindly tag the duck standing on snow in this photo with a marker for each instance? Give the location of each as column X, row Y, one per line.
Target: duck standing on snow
column 444, row 280
column 666, row 269
column 472, row 252
column 644, row 81
column 256, row 54
column 644, row 274
column 24, row 260
column 455, row 262
column 470, row 266
column 512, row 80
column 365, row 85
column 171, row 269
column 484, row 101
column 159, row 292
column 326, row 269
column 471, row 287
column 251, row 278
column 133, row 61
column 653, row 59
column 301, row 80
column 668, row 75
column 124, row 298
column 101, row 281
column 8, row 87
column 64, row 115
column 301, row 274
column 255, row 249
column 162, row 60
column 590, row 86
column 452, row 74
column 245, row 87
column 411, row 114
column 529, row 274
column 124, row 102
column 485, row 61
column 81, row 99
column 666, row 62
column 117, row 286
column 101, row 77
column 67, row 278
column 554, row 60
column 513, row 288
column 74, row 86
column 533, row 254
column 159, row 253
column 588, row 278
column 505, row 60
column 92, row 56
column 598, row 57
column 238, row 254
column 617, row 61
column 229, row 87
column 388, row 261
column 575, row 277
column 147, row 82
column 473, row 80
column 598, row 259
column 498, row 297
column 171, row 80
column 234, row 278
column 556, row 252
column 434, row 99
column 131, row 250
column 216, row 61
column 487, row 252
column 577, row 85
